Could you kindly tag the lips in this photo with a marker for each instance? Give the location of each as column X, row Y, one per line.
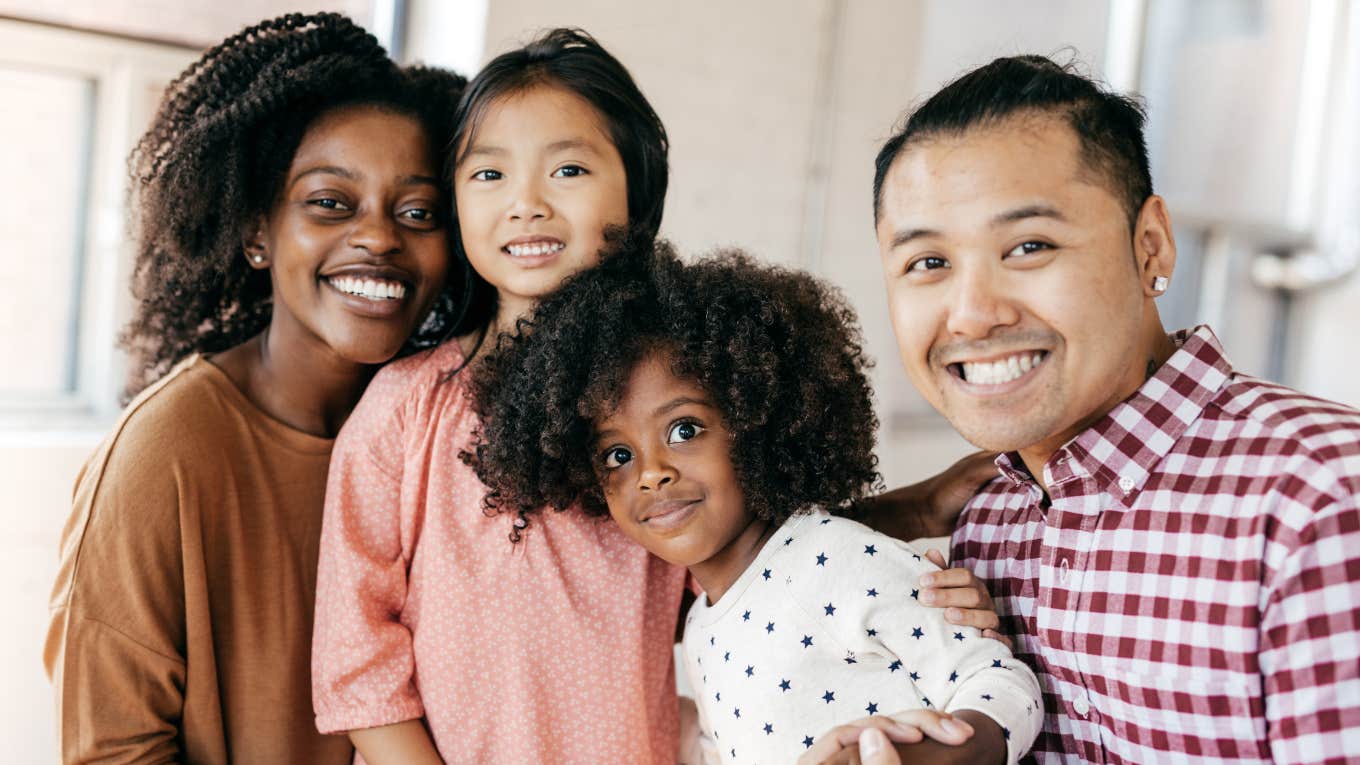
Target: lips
column 530, row 247
column 369, row 290
column 669, row 513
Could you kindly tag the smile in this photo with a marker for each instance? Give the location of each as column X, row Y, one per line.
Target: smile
column 669, row 514
column 372, row 289
column 1000, row 371
column 536, row 249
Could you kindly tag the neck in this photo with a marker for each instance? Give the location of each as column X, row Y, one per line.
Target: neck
column 1156, row 349
column 305, row 386
column 717, row 574
column 509, row 310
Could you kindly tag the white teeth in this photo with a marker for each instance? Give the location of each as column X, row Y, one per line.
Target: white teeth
column 998, row 372
column 373, row 289
column 531, row 250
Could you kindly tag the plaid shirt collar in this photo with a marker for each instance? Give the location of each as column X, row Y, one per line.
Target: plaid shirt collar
column 1121, row 449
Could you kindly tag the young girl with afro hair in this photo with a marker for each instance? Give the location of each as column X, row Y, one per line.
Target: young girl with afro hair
column 720, row 414
column 290, row 239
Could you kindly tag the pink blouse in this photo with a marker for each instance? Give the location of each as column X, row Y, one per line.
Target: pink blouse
column 557, row 649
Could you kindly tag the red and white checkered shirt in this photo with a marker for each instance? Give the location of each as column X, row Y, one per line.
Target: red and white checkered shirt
column 1190, row 590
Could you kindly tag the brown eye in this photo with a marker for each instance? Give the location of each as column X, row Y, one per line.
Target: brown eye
column 1027, row 248
column 617, row 457
column 683, row 431
column 928, row 263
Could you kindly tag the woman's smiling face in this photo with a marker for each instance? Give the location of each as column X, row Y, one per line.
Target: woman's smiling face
column 355, row 244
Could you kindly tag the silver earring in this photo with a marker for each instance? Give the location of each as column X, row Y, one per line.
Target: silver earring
column 258, row 259
column 1160, row 283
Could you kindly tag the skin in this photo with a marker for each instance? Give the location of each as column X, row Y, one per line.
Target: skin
column 1000, row 241
column 360, row 199
column 669, row 480
column 540, row 169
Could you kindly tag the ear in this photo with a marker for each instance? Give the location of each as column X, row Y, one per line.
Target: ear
column 1154, row 246
column 254, row 247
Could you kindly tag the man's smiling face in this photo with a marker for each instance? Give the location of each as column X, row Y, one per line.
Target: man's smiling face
column 1013, row 281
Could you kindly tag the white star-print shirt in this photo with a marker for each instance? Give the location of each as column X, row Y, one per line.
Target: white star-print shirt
column 824, row 627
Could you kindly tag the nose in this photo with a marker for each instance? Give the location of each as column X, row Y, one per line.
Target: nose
column 979, row 303
column 375, row 233
column 527, row 201
column 655, row 474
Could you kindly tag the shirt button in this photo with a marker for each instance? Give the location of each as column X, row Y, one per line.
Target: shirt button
column 1081, row 706
column 1126, row 484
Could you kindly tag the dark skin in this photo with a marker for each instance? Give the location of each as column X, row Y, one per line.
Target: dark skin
column 986, row 746
column 359, row 201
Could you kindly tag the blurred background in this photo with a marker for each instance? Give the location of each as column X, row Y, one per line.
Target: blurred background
column 775, row 110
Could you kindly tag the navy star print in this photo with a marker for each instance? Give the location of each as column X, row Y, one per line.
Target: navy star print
column 958, row 636
column 914, row 676
column 746, row 617
column 784, row 685
column 750, row 670
column 870, row 550
column 769, row 729
column 807, row 641
column 896, row 665
column 807, row 742
column 829, row 609
column 917, row 633
column 821, row 559
column 769, row 627
column 872, row 593
column 872, row 708
column 766, row 574
column 829, row 696
column 871, row 632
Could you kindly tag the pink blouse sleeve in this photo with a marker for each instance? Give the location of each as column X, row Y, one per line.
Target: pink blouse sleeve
column 362, row 657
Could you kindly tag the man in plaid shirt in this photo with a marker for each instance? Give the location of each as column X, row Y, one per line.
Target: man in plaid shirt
column 1174, row 545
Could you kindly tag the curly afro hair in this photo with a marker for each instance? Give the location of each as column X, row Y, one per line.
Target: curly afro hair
column 778, row 350
column 215, row 159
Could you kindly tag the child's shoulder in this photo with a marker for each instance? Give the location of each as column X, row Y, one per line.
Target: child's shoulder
column 837, row 543
column 411, row 379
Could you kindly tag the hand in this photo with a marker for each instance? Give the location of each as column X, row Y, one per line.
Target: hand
column 929, row 508
column 841, row 744
column 876, row 749
column 963, row 597
column 948, row 492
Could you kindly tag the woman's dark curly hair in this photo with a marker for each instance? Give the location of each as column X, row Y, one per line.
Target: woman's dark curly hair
column 778, row 350
column 215, row 159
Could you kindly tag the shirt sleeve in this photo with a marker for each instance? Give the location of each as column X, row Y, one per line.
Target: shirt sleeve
column 1310, row 642
column 114, row 648
column 952, row 668
column 363, row 662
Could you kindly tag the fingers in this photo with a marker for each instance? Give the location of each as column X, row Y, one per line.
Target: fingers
column 838, row 739
column 936, row 557
column 875, row 749
column 994, row 635
column 938, row 726
column 973, row 617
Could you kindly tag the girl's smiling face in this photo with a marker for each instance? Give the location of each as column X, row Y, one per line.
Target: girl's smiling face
column 668, row 478
column 355, row 246
column 535, row 188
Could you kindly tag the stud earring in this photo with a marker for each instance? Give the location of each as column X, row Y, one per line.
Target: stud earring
column 1160, row 283
column 258, row 259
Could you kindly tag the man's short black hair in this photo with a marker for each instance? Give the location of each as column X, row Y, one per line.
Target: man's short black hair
column 1108, row 125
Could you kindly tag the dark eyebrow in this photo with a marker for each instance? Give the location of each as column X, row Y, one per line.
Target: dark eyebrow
column 1010, row 216
column 676, row 403
column 1029, row 211
column 328, row 170
column 903, row 237
column 569, row 143
column 481, row 150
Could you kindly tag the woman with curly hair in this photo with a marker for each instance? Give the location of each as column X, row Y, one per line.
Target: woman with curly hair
column 720, row 413
column 290, row 239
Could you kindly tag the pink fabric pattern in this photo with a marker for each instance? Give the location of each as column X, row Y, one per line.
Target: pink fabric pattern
column 558, row 649
column 1192, row 592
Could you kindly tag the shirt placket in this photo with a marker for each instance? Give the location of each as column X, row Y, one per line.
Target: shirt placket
column 1072, row 520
